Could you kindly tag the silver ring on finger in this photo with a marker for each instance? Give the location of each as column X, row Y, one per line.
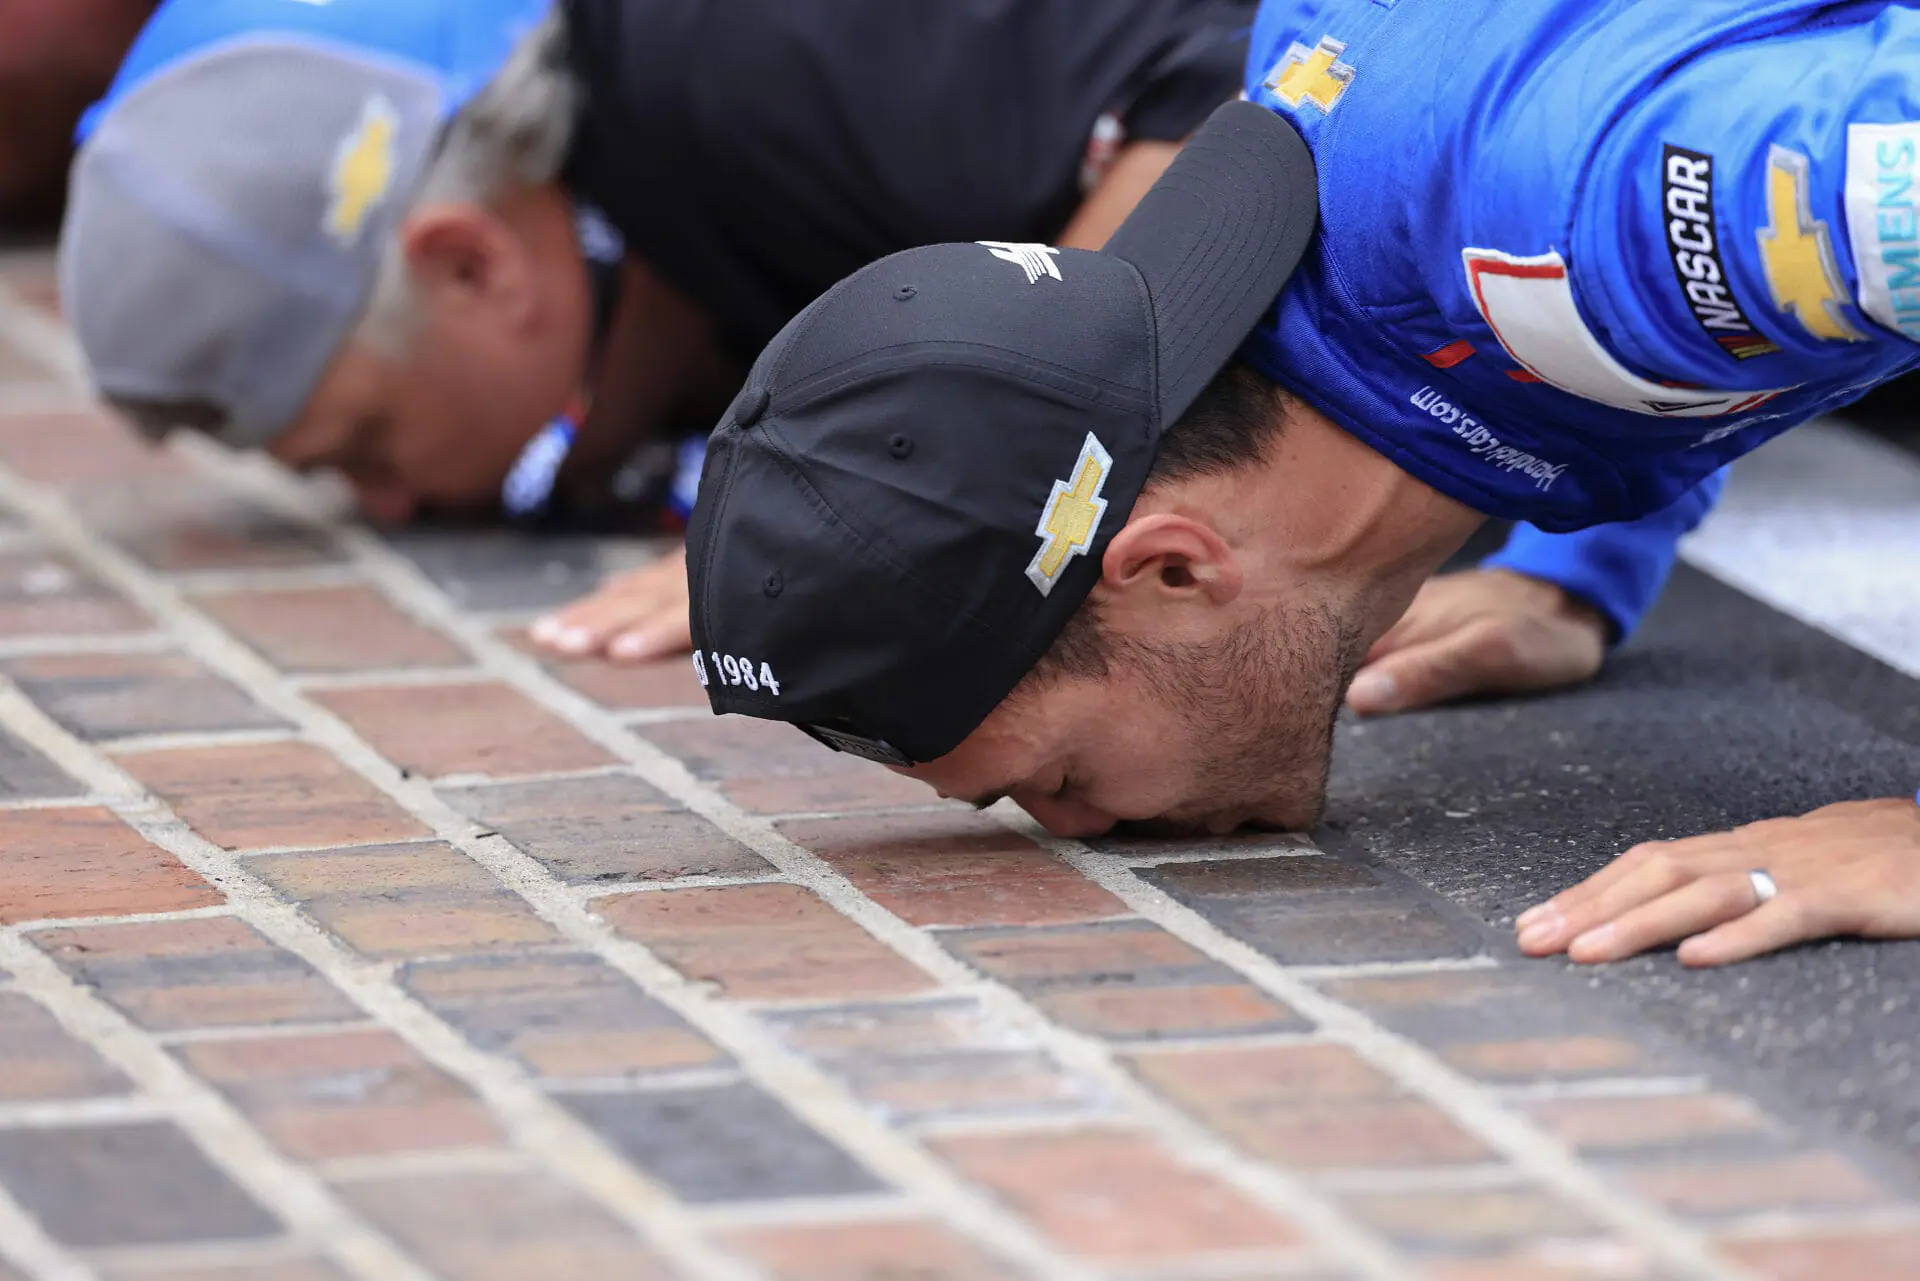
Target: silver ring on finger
column 1764, row 888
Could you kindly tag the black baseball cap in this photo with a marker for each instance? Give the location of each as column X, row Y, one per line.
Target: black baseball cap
column 913, row 492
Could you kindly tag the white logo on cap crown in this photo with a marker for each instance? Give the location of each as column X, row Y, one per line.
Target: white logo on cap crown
column 1035, row 260
column 363, row 170
column 1072, row 516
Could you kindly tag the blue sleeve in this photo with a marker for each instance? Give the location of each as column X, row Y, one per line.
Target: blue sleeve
column 1618, row 569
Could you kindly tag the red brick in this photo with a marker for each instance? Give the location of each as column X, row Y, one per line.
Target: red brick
column 104, row 696
column 39, row 1060
column 504, row 1227
column 86, row 862
column 1676, row 1120
column 1310, row 1106
column 438, row 730
column 1577, row 1261
column 669, row 682
column 1755, row 1185
column 887, row 1250
column 919, row 1061
column 766, row 767
column 956, row 868
column 1448, row 1220
column 1864, row 1256
column 42, row 594
column 763, row 942
column 180, row 522
column 331, row 629
column 272, row 794
column 205, row 972
column 279, row 1270
column 1115, row 1195
column 343, row 1094
column 565, row 1016
column 1168, row 1012
column 1126, row 979
column 84, row 447
column 1559, row 1056
column 405, row 900
column 605, row 828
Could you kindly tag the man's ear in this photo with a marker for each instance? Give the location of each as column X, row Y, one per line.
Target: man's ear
column 1170, row 557
column 463, row 254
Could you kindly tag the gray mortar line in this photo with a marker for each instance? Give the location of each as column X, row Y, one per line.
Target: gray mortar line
column 572, row 1148
column 569, row 1147
column 55, row 1114
column 1475, row 1107
column 293, row 1195
column 57, row 645
column 822, row 1100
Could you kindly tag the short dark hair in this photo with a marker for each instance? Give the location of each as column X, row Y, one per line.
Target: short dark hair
column 1233, row 423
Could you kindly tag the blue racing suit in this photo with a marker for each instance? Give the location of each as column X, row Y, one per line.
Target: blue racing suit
column 1577, row 255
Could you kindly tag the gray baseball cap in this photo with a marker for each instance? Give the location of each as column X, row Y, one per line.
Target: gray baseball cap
column 234, row 193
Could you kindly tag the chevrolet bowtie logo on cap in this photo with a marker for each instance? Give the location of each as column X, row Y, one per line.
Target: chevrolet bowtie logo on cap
column 1072, row 516
column 363, row 170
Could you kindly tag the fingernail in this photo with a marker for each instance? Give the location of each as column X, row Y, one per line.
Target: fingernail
column 1593, row 945
column 1541, row 931
column 574, row 640
column 546, row 631
column 1531, row 915
column 1374, row 692
column 630, row 645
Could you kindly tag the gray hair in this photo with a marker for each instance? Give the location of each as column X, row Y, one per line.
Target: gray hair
column 514, row 133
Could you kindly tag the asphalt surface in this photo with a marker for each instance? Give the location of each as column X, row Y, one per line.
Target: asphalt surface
column 1722, row 710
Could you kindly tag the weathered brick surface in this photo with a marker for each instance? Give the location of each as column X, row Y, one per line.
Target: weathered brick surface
column 612, row 1057
column 1109, row 1194
column 100, row 696
column 956, row 868
column 763, row 942
column 936, row 1061
column 271, row 794
column 86, row 862
column 438, row 730
column 207, row 972
column 40, row 1060
column 126, row 1185
column 178, row 522
column 43, row 594
column 504, row 1227
column 563, row 1015
column 27, row 775
column 884, row 1250
column 402, row 901
column 1314, row 1107
column 342, row 1094
column 1508, row 1025
column 331, row 629
column 722, row 1143
column 1313, row 910
column 768, row 768
column 1126, row 980
column 1830, row 1256
column 666, row 683
column 605, row 829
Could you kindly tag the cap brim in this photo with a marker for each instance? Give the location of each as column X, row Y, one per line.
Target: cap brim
column 1216, row 240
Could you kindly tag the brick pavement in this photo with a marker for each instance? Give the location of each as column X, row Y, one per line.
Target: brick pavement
column 341, row 938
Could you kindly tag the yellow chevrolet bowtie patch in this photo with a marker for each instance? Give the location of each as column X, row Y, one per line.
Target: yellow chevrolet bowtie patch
column 1796, row 250
column 1072, row 516
column 363, row 170
column 1313, row 75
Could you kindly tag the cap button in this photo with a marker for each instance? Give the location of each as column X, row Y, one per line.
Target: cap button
column 753, row 405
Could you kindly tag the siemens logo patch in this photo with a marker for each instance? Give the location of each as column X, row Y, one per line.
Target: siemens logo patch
column 1883, row 222
column 1687, row 205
